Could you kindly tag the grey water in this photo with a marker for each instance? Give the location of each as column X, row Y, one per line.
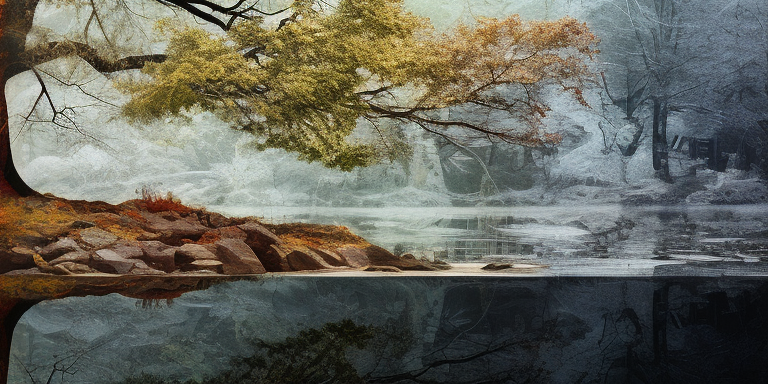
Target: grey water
column 569, row 240
column 441, row 329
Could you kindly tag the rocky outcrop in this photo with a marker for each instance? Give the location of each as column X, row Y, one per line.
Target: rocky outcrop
column 238, row 258
column 131, row 239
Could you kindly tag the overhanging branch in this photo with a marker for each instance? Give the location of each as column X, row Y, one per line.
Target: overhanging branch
column 58, row 49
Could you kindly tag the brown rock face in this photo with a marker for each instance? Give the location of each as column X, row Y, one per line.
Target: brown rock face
column 259, row 238
column 109, row 261
column 80, row 257
column 381, row 257
column 332, row 258
column 158, row 255
column 355, row 257
column 276, row 259
column 172, row 227
column 238, row 257
column 63, row 246
column 16, row 258
column 76, row 268
column 305, row 260
column 95, row 238
column 189, row 253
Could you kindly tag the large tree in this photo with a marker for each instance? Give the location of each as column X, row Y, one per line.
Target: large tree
column 305, row 81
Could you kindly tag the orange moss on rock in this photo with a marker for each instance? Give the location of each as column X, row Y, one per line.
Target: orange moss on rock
column 33, row 216
column 316, row 235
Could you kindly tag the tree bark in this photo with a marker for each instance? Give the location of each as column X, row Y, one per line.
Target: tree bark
column 11, row 311
column 15, row 22
column 660, row 147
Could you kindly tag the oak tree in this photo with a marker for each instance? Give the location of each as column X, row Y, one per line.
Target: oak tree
column 307, row 81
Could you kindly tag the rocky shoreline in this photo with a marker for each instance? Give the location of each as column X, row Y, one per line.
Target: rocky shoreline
column 159, row 236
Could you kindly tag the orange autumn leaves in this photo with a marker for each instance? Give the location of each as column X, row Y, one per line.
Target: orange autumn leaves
column 475, row 61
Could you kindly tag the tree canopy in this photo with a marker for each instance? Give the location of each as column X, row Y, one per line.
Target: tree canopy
column 304, row 84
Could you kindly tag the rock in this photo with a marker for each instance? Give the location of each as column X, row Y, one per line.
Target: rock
column 81, row 224
column 146, row 236
column 382, row 268
column 189, row 253
column 238, row 258
column 65, row 245
column 232, row 232
column 17, row 258
column 438, row 264
column 354, row 257
column 332, row 258
column 215, row 220
column 32, row 240
column 159, row 255
column 381, row 257
column 172, row 227
column 141, row 268
column 96, row 238
column 497, row 266
column 276, row 260
column 204, row 265
column 305, row 260
column 217, row 234
column 76, row 268
column 109, row 261
column 81, row 257
column 259, row 238
column 129, row 250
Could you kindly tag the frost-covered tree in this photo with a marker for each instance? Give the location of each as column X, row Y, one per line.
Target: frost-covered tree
column 688, row 59
column 305, row 82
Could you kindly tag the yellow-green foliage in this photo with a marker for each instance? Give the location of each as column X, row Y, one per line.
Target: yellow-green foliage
column 304, row 86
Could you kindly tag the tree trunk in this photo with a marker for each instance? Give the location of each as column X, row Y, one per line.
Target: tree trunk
column 660, row 147
column 11, row 311
column 15, row 22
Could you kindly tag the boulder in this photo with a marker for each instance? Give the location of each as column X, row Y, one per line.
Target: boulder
column 381, row 257
column 276, row 258
column 332, row 258
column 172, row 227
column 141, row 268
column 76, row 268
column 63, row 246
column 158, row 255
column 96, row 238
column 129, row 250
column 303, row 259
column 354, row 256
column 259, row 238
column 215, row 220
column 214, row 235
column 189, row 253
column 238, row 258
column 16, row 258
column 232, row 232
column 109, row 261
column 80, row 257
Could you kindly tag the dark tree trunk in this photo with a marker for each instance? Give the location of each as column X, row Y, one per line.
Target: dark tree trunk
column 660, row 147
column 15, row 22
column 11, row 311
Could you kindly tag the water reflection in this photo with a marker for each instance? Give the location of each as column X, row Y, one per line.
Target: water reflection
column 552, row 235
